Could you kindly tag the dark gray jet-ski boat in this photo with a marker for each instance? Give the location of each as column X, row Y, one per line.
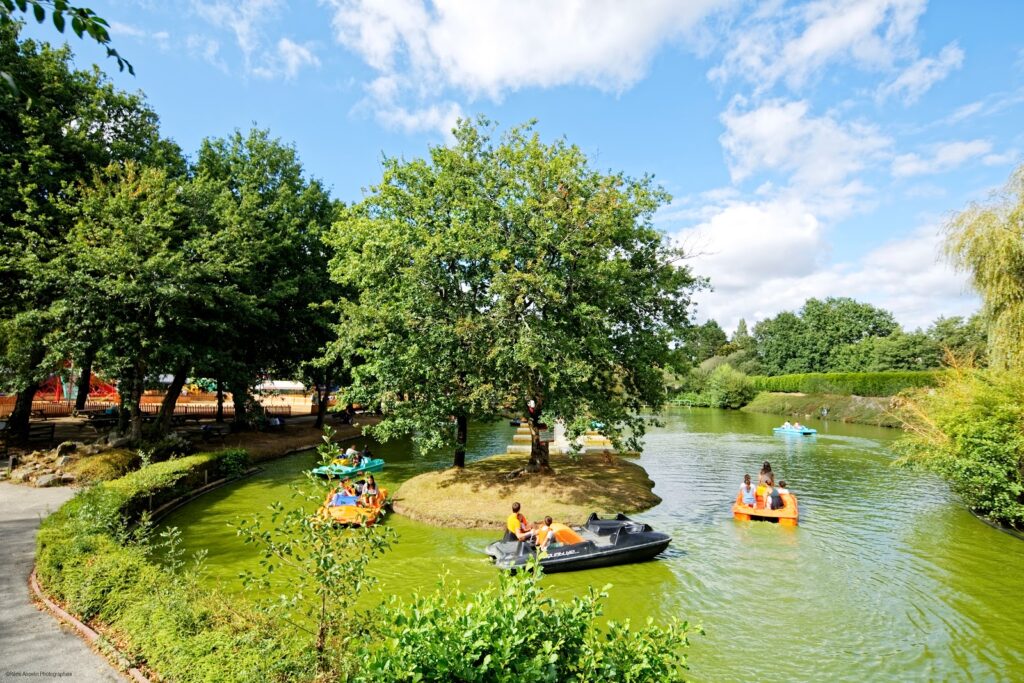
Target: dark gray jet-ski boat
column 606, row 542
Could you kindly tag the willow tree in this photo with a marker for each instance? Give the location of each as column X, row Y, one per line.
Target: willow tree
column 502, row 272
column 987, row 241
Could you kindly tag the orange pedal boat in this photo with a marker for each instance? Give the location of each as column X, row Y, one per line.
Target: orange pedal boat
column 351, row 510
column 787, row 515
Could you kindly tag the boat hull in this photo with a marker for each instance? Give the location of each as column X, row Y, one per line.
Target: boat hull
column 351, row 514
column 807, row 431
column 340, row 471
column 787, row 515
column 606, row 543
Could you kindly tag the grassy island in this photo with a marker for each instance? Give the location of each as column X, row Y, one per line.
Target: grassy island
column 481, row 494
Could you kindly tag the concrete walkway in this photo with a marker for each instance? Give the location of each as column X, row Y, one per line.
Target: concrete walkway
column 34, row 644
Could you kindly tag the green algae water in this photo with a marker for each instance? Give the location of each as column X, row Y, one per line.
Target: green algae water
column 887, row 577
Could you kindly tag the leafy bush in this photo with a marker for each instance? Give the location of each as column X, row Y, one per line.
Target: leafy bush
column 233, row 462
column 87, row 557
column 849, row 383
column 971, row 430
column 169, row 446
column 728, row 388
column 515, row 633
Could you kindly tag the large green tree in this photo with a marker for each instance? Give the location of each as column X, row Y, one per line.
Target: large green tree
column 77, row 124
column 987, row 241
column 272, row 221
column 500, row 272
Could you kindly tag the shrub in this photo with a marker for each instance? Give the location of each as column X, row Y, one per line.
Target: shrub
column 728, row 388
column 515, row 633
column 971, row 430
column 849, row 383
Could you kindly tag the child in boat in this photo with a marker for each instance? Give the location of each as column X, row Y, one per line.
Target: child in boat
column 764, row 489
column 544, row 534
column 346, row 487
column 773, row 501
column 797, row 426
column 748, row 492
column 783, row 491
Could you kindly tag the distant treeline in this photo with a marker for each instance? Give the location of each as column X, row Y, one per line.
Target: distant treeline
column 849, row 383
column 831, row 335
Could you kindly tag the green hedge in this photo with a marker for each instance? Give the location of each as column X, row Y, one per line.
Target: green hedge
column 88, row 558
column 850, row 383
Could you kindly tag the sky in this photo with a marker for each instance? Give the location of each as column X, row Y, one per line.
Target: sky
column 811, row 148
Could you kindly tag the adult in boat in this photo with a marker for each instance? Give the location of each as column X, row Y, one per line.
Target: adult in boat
column 748, row 491
column 365, row 454
column 787, row 425
column 766, row 471
column 518, row 526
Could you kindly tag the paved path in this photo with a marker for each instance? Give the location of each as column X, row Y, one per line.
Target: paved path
column 33, row 644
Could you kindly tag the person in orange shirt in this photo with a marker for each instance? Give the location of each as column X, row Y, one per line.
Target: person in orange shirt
column 518, row 526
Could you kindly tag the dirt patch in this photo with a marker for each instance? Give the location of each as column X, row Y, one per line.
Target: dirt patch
column 481, row 494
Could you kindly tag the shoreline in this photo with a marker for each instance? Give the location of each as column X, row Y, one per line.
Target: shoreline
column 480, row 496
column 877, row 411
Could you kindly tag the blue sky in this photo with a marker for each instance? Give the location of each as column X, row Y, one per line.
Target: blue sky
column 812, row 148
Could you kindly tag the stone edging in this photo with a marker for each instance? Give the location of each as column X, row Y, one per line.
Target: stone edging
column 86, row 633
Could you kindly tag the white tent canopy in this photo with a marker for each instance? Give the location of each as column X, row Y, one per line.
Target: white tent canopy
column 272, row 386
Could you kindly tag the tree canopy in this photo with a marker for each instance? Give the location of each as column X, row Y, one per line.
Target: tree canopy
column 987, row 241
column 502, row 271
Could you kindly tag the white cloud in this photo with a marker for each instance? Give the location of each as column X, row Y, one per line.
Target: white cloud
column 206, row 49
column 794, row 45
column 1010, row 156
column 490, row 47
column 945, row 156
column 290, row 58
column 241, row 17
column 436, row 117
column 162, row 39
column 920, row 76
column 778, row 135
column 767, row 257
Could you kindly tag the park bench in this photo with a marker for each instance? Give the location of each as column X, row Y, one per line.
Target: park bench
column 214, row 432
column 41, row 433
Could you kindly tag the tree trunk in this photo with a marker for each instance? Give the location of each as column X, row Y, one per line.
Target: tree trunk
column 17, row 423
column 239, row 394
column 461, row 433
column 220, row 400
column 321, row 400
column 539, row 454
column 85, row 379
column 138, row 385
column 163, row 422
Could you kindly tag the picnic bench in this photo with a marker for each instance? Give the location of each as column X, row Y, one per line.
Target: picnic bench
column 41, row 433
column 37, row 433
column 214, row 432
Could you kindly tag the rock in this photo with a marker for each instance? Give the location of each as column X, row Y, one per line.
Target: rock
column 120, row 442
column 45, row 480
column 68, row 478
column 3, row 474
column 20, row 474
column 68, row 447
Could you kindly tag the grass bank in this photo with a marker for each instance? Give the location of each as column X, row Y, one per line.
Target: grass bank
column 481, row 494
column 870, row 410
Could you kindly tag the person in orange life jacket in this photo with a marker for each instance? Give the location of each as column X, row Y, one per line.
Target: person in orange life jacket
column 518, row 526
